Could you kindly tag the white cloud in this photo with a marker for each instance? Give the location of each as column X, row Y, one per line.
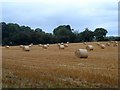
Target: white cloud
column 0, row 12
column 47, row 14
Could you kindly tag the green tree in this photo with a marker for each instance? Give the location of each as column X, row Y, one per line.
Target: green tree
column 63, row 33
column 100, row 34
column 86, row 35
column 47, row 38
column 9, row 32
column 76, row 36
column 39, row 30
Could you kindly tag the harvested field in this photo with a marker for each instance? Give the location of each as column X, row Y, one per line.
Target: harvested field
column 55, row 68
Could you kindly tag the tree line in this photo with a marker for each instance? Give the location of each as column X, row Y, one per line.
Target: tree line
column 14, row 34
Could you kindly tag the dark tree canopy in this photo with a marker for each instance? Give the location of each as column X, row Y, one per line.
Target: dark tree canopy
column 63, row 33
column 86, row 35
column 62, row 30
column 14, row 34
column 100, row 33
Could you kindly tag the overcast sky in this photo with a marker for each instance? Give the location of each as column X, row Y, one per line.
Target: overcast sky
column 48, row 14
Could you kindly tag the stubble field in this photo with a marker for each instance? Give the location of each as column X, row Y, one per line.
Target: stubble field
column 54, row 68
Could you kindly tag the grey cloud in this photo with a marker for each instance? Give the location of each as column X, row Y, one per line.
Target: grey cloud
column 49, row 15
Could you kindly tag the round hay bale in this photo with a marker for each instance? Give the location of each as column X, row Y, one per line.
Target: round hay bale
column 98, row 43
column 115, row 44
column 7, row 46
column 58, row 44
column 67, row 42
column 26, row 48
column 81, row 53
column 61, row 47
column 48, row 45
column 30, row 45
column 66, row 45
column 107, row 44
column 21, row 46
column 89, row 47
column 111, row 41
column 45, row 46
column 62, row 43
column 84, row 43
column 40, row 45
column 102, row 46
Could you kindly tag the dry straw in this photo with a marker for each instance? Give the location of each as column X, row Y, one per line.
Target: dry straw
column 107, row 44
column 61, row 47
column 84, row 43
column 98, row 43
column 45, row 46
column 102, row 46
column 21, row 46
column 66, row 45
column 26, row 48
column 89, row 47
column 81, row 53
column 7, row 46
